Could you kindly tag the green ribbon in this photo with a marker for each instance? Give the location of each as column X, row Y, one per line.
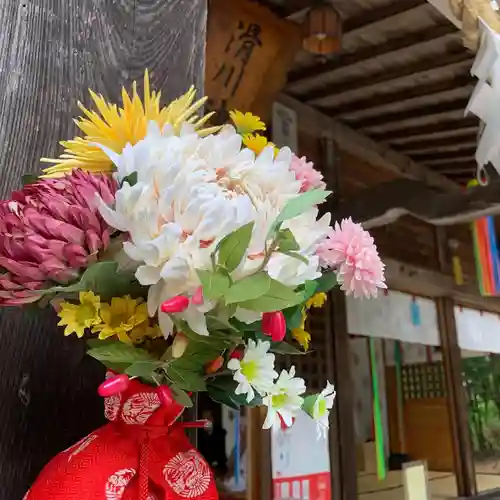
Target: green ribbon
column 377, row 415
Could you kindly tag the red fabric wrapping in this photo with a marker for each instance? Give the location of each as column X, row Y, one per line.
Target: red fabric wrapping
column 142, row 454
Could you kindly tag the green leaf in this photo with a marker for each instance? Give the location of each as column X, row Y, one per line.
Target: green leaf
column 224, row 387
column 131, row 179
column 216, row 340
column 326, row 282
column 182, row 397
column 29, row 179
column 104, row 279
column 215, row 284
column 185, row 378
column 286, row 241
column 277, row 298
column 143, row 369
column 219, row 323
column 118, row 352
column 221, row 396
column 310, row 288
column 297, row 256
column 293, row 317
column 308, row 404
column 285, row 348
column 249, row 288
column 299, row 205
column 232, row 247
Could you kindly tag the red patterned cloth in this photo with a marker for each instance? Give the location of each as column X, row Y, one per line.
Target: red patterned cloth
column 142, row 454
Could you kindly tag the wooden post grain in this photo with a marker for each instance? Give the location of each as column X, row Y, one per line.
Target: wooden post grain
column 51, row 52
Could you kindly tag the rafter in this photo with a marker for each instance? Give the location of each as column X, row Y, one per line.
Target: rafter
column 445, row 165
column 469, row 137
column 422, row 111
column 433, row 128
column 427, row 64
column 399, row 97
column 376, row 154
column 367, row 53
column 445, row 155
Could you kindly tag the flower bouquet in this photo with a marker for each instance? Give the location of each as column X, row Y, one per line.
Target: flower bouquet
column 187, row 256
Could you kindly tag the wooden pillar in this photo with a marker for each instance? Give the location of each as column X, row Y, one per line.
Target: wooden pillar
column 52, row 51
column 457, row 404
column 342, row 436
column 259, row 481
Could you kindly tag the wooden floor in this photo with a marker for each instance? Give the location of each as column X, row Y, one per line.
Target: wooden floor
column 441, row 484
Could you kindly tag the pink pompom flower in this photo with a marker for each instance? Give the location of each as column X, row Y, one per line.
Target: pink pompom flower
column 351, row 252
column 306, row 173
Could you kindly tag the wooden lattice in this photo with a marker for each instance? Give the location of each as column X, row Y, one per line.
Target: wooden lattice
column 312, row 367
column 425, row 380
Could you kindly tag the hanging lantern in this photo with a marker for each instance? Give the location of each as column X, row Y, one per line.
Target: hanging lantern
column 323, row 30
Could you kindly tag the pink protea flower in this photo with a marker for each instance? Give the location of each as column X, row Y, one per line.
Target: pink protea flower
column 306, row 173
column 49, row 230
column 351, row 251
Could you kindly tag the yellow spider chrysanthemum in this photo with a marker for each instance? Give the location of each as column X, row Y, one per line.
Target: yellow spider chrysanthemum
column 300, row 334
column 317, row 300
column 120, row 317
column 257, row 143
column 246, row 123
column 78, row 317
column 114, row 127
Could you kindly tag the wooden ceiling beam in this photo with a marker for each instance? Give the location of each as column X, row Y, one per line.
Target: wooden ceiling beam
column 441, row 142
column 471, row 169
column 316, row 123
column 289, row 8
column 399, row 97
column 367, row 53
column 445, row 155
column 419, row 281
column 433, row 128
column 447, row 165
column 427, row 64
column 423, row 111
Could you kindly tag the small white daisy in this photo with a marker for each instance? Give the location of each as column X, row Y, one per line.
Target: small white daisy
column 321, row 409
column 255, row 371
column 284, row 399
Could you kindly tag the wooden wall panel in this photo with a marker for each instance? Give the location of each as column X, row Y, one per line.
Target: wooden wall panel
column 51, row 52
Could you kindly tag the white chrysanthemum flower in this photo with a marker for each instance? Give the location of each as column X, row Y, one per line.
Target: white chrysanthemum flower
column 284, row 399
column 255, row 371
column 190, row 192
column 321, row 409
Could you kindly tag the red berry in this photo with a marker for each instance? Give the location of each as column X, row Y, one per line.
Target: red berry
column 114, row 385
column 215, row 365
column 175, row 304
column 274, row 325
column 236, row 354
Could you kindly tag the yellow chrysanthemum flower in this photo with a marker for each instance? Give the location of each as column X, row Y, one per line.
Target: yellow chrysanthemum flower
column 257, row 143
column 300, row 334
column 120, row 317
column 317, row 300
column 144, row 331
column 78, row 317
column 115, row 127
column 246, row 123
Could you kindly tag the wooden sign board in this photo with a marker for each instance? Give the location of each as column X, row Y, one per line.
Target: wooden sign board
column 249, row 51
